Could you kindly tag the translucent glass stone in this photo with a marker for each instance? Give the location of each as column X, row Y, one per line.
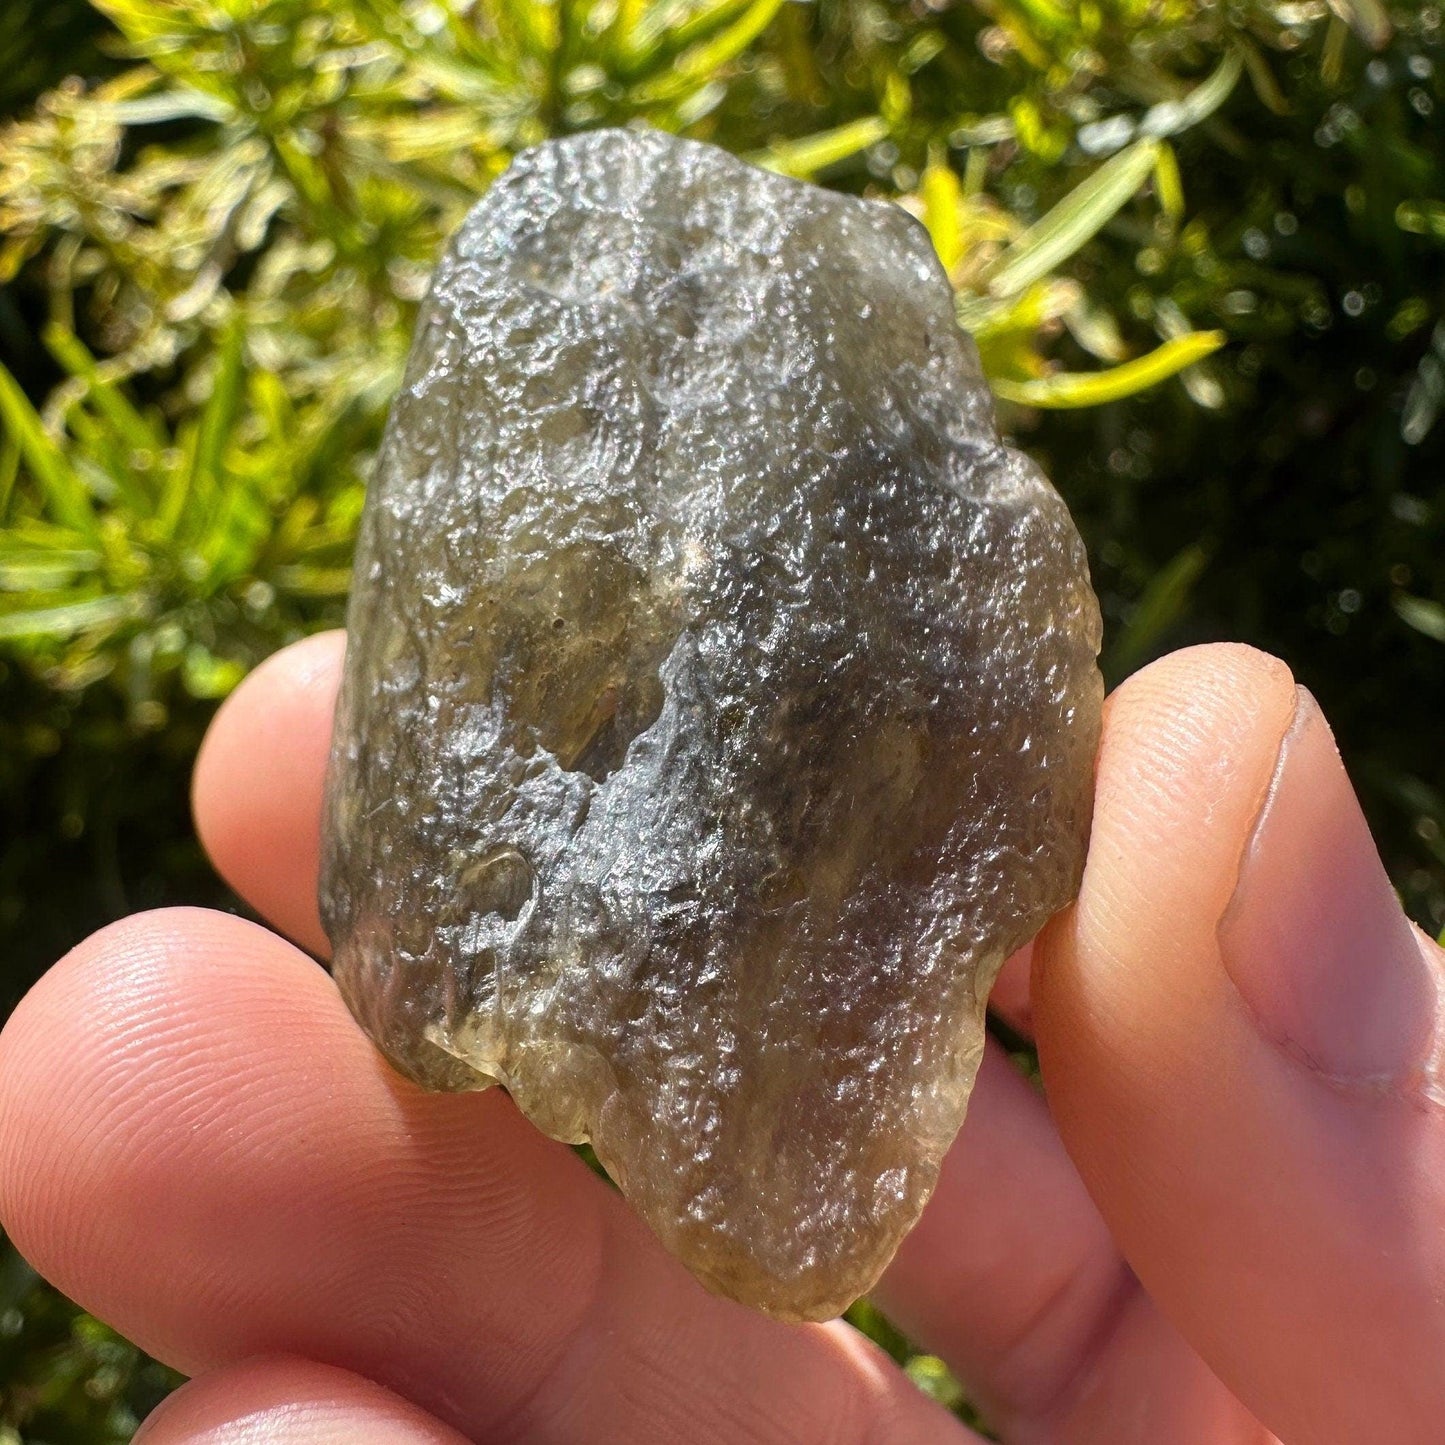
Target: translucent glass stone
column 720, row 703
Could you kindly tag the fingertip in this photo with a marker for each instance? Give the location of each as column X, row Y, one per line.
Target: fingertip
column 1195, row 730
column 289, row 1401
column 257, row 789
column 1185, row 760
column 1188, row 749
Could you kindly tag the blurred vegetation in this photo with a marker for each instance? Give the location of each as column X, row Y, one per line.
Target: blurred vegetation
column 217, row 218
column 65, row 1378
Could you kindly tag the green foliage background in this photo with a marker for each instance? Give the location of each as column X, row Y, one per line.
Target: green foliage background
column 217, row 218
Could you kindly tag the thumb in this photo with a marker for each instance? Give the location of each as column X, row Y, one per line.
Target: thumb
column 1240, row 1039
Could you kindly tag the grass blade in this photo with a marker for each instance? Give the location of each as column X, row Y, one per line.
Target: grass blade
column 696, row 66
column 1421, row 613
column 942, row 196
column 806, row 157
column 1168, row 185
column 218, row 417
column 658, row 36
column 65, row 620
column 1162, row 602
column 181, row 103
column 64, row 492
column 1367, row 18
column 1170, row 117
column 1066, row 389
column 9, row 471
column 1075, row 221
column 39, row 573
column 110, row 401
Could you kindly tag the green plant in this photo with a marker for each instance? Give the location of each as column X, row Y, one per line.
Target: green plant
column 68, row 1379
column 217, row 218
column 162, row 554
column 266, row 257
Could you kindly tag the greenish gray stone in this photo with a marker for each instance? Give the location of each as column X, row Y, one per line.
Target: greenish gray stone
column 720, row 703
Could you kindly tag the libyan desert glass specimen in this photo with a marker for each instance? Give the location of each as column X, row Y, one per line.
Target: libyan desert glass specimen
column 720, row 703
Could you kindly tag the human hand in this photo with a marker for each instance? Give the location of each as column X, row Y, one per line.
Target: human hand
column 1239, row 1175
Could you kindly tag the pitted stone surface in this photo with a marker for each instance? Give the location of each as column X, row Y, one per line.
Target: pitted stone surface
column 720, row 703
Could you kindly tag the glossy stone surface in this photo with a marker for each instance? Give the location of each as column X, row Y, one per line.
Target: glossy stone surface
column 720, row 704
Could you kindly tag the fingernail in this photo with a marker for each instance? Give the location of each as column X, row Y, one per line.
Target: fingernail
column 1314, row 937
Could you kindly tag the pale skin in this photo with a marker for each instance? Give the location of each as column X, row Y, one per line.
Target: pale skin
column 1224, row 1224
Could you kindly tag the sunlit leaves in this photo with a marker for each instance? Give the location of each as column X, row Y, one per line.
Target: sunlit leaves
column 64, row 494
column 242, row 223
column 1013, row 299
column 160, row 552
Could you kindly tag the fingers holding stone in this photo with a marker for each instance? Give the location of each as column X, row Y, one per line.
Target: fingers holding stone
column 287, row 1401
column 1007, row 1194
column 198, row 1144
column 258, row 783
column 258, row 790
column 1023, row 1202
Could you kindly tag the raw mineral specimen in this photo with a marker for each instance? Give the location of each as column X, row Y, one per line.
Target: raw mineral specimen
column 720, row 704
